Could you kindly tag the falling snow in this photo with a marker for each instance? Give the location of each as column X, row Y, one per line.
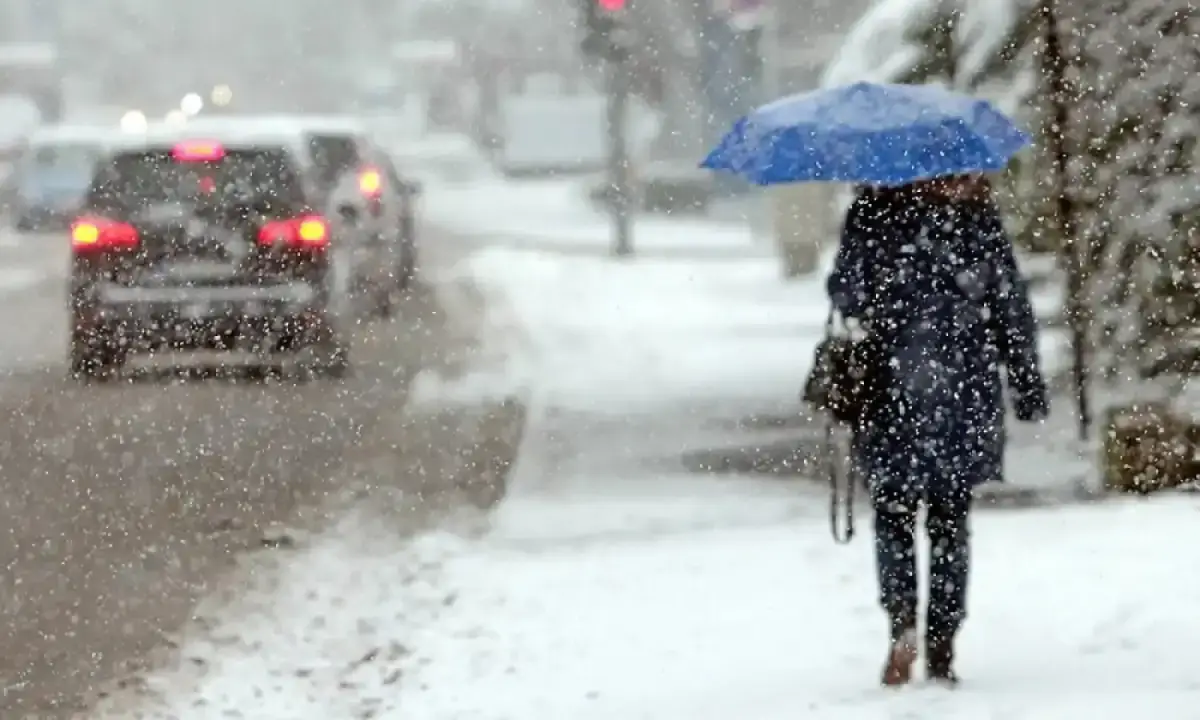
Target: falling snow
column 328, row 395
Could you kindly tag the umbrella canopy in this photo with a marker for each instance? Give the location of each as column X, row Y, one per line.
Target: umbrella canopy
column 868, row 133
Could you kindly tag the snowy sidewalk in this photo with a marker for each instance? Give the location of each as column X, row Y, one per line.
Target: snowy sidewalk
column 1076, row 613
column 775, row 622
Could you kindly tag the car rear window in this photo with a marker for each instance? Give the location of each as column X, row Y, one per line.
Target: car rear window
column 333, row 155
column 264, row 180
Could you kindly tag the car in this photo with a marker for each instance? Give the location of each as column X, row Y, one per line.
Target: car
column 214, row 242
column 51, row 175
column 377, row 201
column 336, row 145
column 358, row 181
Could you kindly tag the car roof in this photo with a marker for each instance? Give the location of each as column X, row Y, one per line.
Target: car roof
column 235, row 136
column 72, row 134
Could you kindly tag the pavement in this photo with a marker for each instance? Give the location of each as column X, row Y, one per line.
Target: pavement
column 124, row 504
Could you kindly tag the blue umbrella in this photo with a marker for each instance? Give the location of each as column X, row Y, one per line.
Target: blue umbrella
column 868, row 133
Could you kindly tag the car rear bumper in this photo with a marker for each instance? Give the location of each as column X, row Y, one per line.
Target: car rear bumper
column 142, row 298
column 217, row 318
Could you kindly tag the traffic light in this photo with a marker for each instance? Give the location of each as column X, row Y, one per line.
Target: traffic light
column 602, row 20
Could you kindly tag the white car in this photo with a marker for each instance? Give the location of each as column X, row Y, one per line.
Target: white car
column 51, row 173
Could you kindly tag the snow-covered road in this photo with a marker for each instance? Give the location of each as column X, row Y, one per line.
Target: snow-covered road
column 611, row 584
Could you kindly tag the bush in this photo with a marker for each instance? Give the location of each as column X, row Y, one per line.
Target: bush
column 1147, row 447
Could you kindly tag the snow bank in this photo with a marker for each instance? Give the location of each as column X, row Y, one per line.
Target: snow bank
column 447, row 158
column 555, row 215
column 622, row 336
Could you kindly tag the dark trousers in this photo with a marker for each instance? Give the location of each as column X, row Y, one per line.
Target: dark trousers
column 949, row 561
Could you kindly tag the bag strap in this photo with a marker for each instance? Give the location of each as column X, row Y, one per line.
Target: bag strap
column 840, row 508
column 841, row 524
column 836, row 324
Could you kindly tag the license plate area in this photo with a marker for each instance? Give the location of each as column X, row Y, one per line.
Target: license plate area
column 191, row 272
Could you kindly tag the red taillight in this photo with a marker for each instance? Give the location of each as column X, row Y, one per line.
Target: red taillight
column 309, row 231
column 198, row 151
column 92, row 233
column 370, row 182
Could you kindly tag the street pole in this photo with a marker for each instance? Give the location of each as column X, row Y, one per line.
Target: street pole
column 1054, row 61
column 771, row 88
column 619, row 180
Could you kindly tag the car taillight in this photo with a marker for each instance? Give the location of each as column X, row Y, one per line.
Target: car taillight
column 370, row 182
column 198, row 151
column 309, row 231
column 91, row 233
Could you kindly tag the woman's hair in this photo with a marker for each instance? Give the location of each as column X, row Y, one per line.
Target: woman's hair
column 957, row 187
column 976, row 187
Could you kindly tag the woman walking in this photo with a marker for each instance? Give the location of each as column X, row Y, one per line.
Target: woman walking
column 928, row 271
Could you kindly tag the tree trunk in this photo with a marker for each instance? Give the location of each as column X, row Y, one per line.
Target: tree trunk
column 1054, row 67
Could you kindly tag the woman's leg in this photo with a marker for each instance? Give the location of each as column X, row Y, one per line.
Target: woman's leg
column 896, row 561
column 947, row 523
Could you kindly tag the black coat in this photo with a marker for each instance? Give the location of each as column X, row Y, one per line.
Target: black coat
column 938, row 284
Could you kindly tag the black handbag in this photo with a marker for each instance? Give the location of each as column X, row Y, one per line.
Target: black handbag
column 844, row 375
column 842, row 384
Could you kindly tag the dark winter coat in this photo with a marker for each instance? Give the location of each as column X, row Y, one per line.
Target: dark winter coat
column 938, row 286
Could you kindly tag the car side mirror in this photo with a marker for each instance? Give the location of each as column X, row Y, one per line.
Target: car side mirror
column 411, row 188
column 348, row 213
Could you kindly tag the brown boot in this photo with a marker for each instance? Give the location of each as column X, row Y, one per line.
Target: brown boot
column 939, row 661
column 901, row 656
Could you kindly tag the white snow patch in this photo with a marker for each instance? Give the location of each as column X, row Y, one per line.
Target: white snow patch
column 772, row 621
column 982, row 29
column 309, row 634
column 886, row 45
column 755, row 619
column 880, row 46
column 19, row 116
column 556, row 215
column 626, row 334
column 16, row 279
column 608, row 334
column 446, row 158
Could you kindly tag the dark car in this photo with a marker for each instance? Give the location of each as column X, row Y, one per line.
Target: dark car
column 221, row 245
